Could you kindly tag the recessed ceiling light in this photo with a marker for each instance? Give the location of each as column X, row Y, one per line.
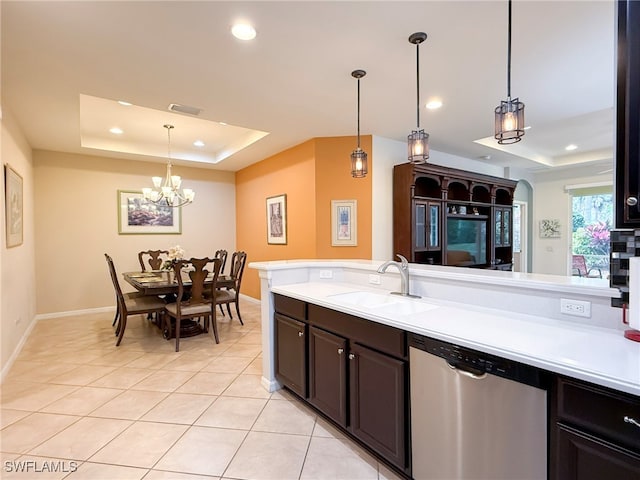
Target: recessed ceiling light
column 570, row 147
column 434, row 104
column 126, row 104
column 223, row 123
column 116, row 131
column 198, row 143
column 527, row 128
column 243, row 31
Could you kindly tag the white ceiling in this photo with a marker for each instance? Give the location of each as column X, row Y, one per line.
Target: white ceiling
column 294, row 80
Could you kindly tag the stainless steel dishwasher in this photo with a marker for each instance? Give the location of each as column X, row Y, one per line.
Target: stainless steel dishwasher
column 474, row 415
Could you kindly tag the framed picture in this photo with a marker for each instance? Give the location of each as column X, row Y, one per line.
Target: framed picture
column 344, row 230
column 139, row 216
column 13, row 206
column 549, row 228
column 277, row 220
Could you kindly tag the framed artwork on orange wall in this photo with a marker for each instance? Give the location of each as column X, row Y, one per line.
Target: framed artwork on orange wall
column 344, row 228
column 277, row 220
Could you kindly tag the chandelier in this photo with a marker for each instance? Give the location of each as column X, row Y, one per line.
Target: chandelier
column 169, row 192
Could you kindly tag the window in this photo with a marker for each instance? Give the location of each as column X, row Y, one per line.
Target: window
column 592, row 218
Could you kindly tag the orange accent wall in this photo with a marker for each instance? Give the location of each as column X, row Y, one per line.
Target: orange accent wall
column 311, row 175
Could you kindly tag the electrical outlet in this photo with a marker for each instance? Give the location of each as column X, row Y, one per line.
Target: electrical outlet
column 374, row 279
column 577, row 308
column 326, row 274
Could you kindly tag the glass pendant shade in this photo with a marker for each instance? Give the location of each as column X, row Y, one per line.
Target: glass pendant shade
column 509, row 118
column 168, row 192
column 418, row 142
column 359, row 167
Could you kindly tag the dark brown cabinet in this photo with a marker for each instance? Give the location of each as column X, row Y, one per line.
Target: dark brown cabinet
column 353, row 371
column 291, row 343
column 595, row 433
column 328, row 374
column 446, row 216
column 628, row 116
column 291, row 348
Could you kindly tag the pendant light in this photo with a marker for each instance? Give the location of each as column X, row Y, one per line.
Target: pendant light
column 418, row 140
column 358, row 156
column 509, row 115
column 168, row 192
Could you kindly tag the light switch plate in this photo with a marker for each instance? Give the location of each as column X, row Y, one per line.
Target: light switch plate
column 326, row 274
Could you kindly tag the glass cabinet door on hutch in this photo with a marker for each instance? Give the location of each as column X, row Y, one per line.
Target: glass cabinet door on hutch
column 427, row 225
column 502, row 227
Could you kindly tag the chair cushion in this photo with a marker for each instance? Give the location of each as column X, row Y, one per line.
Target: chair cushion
column 144, row 303
column 223, row 296
column 189, row 310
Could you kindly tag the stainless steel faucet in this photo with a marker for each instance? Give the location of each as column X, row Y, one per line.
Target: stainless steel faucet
column 403, row 268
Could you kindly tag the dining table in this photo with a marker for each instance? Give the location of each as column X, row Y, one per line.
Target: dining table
column 163, row 282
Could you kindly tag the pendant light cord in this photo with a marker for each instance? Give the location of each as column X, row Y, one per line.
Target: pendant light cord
column 358, row 113
column 418, row 85
column 509, row 56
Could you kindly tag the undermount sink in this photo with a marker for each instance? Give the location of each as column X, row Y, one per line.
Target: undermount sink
column 382, row 303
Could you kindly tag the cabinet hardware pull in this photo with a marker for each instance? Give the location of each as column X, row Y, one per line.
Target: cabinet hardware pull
column 632, row 421
column 300, row 334
column 351, row 356
column 632, row 201
column 340, row 350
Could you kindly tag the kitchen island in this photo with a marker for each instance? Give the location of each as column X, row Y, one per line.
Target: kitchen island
column 503, row 314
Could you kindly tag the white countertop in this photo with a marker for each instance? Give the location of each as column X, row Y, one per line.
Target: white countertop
column 598, row 355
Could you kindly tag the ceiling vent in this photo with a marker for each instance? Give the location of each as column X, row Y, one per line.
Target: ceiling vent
column 175, row 107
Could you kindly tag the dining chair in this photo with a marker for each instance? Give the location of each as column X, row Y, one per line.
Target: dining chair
column 231, row 295
column 222, row 255
column 155, row 259
column 579, row 266
column 195, row 302
column 130, row 304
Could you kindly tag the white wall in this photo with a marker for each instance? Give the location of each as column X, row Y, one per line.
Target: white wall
column 551, row 201
column 17, row 284
column 76, row 214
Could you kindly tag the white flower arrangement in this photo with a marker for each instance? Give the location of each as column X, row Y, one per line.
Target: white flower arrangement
column 175, row 253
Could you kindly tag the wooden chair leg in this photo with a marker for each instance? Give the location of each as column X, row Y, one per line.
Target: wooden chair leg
column 117, row 315
column 177, row 334
column 229, row 310
column 238, row 311
column 221, row 310
column 121, row 325
column 215, row 325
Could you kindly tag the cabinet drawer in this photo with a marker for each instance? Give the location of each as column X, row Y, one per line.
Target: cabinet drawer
column 380, row 337
column 600, row 411
column 290, row 307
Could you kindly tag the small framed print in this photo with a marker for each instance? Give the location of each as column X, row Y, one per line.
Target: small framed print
column 13, row 206
column 344, row 230
column 549, row 228
column 277, row 220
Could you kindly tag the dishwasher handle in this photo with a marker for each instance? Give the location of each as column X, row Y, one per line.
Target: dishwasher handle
column 467, row 373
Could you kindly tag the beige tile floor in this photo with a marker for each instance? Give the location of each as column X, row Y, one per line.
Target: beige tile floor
column 76, row 407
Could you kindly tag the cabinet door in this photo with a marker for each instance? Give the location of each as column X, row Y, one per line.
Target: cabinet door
column 291, row 358
column 420, row 225
column 582, row 457
column 628, row 116
column 379, row 402
column 328, row 374
column 498, row 227
column 434, row 226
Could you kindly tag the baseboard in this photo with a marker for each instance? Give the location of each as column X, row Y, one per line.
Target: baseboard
column 73, row 313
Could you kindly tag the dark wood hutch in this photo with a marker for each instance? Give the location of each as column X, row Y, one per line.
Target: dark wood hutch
column 446, row 216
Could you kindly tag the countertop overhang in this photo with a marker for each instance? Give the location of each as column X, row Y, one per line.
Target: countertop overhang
column 598, row 355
